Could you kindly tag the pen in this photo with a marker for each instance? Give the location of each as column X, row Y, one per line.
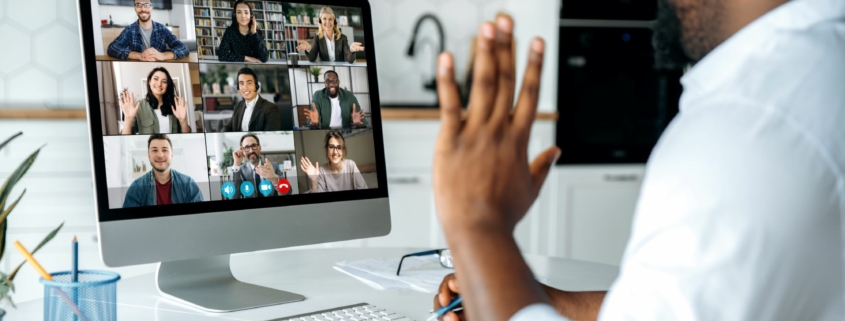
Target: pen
column 451, row 307
column 46, row 276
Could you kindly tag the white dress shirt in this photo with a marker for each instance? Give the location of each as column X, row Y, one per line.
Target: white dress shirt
column 330, row 46
column 250, row 107
column 741, row 210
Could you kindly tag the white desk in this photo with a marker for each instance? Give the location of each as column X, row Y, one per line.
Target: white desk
column 310, row 273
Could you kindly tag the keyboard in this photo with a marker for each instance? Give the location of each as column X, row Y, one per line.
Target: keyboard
column 355, row 312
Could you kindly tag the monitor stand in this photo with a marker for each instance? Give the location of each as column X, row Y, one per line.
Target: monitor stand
column 208, row 284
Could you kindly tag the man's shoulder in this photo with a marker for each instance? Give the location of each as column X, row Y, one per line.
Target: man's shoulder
column 180, row 176
column 159, row 26
column 141, row 181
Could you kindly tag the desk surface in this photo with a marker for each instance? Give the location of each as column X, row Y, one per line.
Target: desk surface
column 192, row 57
column 310, row 273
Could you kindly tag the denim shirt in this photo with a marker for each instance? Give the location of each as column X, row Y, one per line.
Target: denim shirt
column 142, row 192
column 131, row 39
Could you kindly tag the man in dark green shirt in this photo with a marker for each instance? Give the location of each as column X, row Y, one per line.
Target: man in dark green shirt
column 335, row 107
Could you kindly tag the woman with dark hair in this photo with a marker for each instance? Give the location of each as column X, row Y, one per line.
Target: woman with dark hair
column 161, row 112
column 341, row 174
column 242, row 41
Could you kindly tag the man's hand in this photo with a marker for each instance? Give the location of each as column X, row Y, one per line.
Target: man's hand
column 357, row 116
column 447, row 292
column 151, row 54
column 266, row 171
column 356, row 46
column 238, row 156
column 312, row 115
column 481, row 172
column 303, row 45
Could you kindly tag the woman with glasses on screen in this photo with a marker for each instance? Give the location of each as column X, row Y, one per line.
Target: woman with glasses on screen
column 162, row 111
column 242, row 41
column 341, row 174
column 329, row 43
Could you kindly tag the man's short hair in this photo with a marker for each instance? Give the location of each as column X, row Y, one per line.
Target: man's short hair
column 159, row 136
column 249, row 135
column 331, row 71
column 248, row 71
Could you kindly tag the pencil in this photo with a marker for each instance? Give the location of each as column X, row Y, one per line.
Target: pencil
column 46, row 276
column 74, row 268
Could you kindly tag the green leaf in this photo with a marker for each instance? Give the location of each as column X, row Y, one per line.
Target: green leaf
column 43, row 242
column 4, row 214
column 16, row 176
column 10, row 139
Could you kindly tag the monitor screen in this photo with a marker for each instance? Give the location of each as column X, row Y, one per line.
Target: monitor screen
column 219, row 105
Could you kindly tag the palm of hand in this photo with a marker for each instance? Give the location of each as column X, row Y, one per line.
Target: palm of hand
column 180, row 110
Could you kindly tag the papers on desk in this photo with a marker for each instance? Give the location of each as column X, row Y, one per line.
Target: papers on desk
column 422, row 274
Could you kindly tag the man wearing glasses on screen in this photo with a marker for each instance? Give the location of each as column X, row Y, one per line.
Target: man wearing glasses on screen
column 147, row 40
column 253, row 178
column 334, row 107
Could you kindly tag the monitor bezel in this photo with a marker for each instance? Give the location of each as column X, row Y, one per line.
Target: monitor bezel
column 107, row 214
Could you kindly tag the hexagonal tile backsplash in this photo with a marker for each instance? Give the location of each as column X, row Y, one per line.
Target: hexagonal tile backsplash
column 41, row 65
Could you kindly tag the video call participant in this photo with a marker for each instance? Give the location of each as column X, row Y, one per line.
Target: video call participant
column 329, row 44
column 341, row 175
column 146, row 40
column 170, row 114
column 334, row 107
column 242, row 41
column 253, row 114
column 161, row 185
column 253, row 171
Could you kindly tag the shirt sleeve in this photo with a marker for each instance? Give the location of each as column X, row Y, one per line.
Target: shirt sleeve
column 260, row 46
column 119, row 48
column 538, row 312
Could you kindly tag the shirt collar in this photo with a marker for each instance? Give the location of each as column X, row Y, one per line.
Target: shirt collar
column 727, row 59
column 251, row 104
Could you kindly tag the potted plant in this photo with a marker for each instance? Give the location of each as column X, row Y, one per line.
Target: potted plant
column 315, row 71
column 6, row 281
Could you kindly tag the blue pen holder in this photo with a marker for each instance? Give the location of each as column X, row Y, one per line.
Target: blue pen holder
column 94, row 296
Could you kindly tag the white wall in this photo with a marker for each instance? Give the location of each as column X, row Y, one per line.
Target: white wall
column 122, row 15
column 401, row 77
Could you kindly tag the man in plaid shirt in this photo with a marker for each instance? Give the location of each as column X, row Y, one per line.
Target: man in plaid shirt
column 147, row 40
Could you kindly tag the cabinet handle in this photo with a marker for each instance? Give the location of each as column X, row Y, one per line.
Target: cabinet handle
column 404, row 180
column 621, row 177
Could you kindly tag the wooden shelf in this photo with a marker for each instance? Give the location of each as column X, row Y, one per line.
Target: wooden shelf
column 388, row 113
column 42, row 113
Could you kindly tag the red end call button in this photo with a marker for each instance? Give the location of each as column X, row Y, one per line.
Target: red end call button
column 283, row 186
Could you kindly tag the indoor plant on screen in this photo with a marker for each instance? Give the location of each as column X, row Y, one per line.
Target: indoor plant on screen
column 6, row 281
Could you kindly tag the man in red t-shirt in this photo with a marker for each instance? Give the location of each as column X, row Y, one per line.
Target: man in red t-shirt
column 161, row 185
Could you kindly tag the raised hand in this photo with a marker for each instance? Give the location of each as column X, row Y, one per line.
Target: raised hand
column 493, row 136
column 238, row 156
column 266, row 171
column 303, row 45
column 357, row 116
column 312, row 170
column 356, row 46
column 254, row 28
column 312, row 115
column 180, row 110
column 129, row 106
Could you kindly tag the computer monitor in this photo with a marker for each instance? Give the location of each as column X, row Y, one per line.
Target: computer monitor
column 222, row 127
